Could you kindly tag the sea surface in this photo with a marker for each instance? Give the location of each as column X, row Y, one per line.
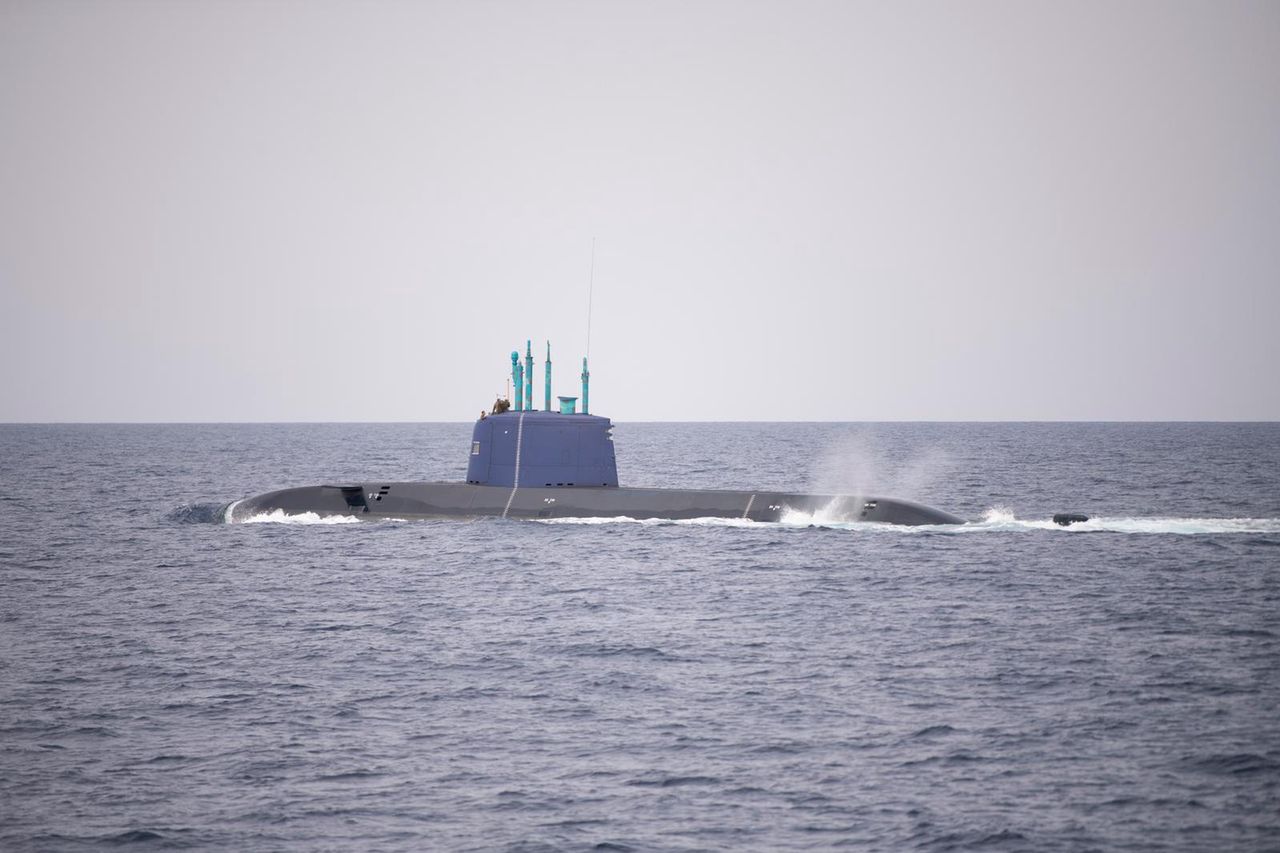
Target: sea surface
column 168, row 680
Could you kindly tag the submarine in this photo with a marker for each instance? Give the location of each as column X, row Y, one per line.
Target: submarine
column 526, row 463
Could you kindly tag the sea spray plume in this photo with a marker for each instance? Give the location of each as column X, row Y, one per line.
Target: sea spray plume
column 999, row 514
column 856, row 464
column 849, row 465
column 919, row 475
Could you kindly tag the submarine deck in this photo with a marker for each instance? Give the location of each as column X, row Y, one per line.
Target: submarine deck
column 416, row 500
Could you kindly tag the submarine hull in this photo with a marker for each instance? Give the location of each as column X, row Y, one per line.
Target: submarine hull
column 465, row 500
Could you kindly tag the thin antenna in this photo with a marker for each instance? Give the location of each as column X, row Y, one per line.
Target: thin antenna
column 591, row 285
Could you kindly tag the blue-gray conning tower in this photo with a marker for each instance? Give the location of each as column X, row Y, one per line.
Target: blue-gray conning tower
column 526, row 447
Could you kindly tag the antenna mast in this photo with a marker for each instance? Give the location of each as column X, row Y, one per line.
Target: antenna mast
column 591, row 285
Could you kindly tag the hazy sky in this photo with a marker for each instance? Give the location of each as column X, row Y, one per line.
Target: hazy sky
column 224, row 211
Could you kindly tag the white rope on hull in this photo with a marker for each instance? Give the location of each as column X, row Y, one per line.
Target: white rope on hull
column 515, row 479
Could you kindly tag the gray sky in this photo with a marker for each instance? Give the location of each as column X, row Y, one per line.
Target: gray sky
column 832, row 211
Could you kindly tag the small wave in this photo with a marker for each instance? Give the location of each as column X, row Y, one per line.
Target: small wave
column 1234, row 765
column 934, row 731
column 594, row 650
column 351, row 776
column 674, row 781
column 279, row 516
column 133, row 836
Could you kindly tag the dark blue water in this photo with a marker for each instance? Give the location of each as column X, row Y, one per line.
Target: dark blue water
column 170, row 681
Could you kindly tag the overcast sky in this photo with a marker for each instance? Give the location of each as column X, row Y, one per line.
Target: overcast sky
column 227, row 211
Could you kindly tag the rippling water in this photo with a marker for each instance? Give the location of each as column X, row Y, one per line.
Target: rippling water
column 170, row 680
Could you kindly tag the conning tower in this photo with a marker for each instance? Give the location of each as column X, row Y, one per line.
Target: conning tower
column 526, row 447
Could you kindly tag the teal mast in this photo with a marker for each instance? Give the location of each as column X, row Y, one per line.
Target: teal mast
column 528, row 375
column 516, row 379
column 586, row 387
column 547, row 406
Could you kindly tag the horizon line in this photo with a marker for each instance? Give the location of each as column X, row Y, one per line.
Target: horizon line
column 690, row 421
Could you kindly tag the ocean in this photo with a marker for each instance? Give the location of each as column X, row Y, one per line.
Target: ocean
column 168, row 680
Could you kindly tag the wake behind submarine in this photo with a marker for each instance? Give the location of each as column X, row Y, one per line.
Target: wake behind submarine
column 526, row 463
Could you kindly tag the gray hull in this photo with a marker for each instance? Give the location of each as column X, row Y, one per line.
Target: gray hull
column 372, row 501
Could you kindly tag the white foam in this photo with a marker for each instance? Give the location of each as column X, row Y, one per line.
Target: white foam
column 835, row 513
column 1003, row 519
column 998, row 519
column 998, row 515
column 279, row 516
column 834, row 516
